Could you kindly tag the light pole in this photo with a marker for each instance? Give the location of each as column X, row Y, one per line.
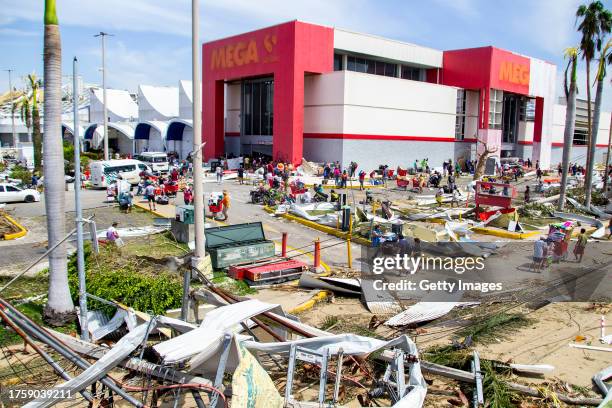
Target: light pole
column 15, row 141
column 198, row 179
column 102, row 35
column 77, row 206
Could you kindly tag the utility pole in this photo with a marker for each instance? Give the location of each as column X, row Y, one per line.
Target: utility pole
column 102, row 35
column 15, row 140
column 77, row 206
column 198, row 186
column 605, row 182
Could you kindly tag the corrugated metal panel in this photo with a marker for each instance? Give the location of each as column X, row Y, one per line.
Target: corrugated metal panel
column 424, row 312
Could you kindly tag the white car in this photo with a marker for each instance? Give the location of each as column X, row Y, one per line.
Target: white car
column 11, row 194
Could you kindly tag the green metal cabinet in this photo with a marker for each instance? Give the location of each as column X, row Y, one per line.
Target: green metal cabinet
column 238, row 243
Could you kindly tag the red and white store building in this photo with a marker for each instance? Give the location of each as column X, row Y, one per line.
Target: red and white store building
column 303, row 90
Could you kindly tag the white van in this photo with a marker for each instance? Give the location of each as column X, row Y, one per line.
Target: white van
column 104, row 172
column 158, row 161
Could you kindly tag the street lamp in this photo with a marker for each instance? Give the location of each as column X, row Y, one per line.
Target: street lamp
column 102, row 35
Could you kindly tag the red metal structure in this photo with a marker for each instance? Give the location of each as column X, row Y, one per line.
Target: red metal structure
column 492, row 194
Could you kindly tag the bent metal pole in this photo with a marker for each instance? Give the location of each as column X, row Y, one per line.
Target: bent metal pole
column 78, row 207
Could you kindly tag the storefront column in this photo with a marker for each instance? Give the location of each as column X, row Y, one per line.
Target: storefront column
column 288, row 125
column 212, row 119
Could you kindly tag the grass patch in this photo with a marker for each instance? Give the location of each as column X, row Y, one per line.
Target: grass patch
column 236, row 287
column 494, row 386
column 329, row 321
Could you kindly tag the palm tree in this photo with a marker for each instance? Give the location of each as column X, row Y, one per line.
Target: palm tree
column 605, row 58
column 570, row 118
column 30, row 115
column 596, row 23
column 60, row 308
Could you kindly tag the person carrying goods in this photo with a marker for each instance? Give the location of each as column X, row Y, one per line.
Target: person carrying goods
column 319, row 193
column 580, row 245
column 439, row 196
column 362, row 175
column 225, row 202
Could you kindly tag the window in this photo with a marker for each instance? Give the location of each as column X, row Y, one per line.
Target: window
column 411, row 73
column 119, row 169
column 371, row 66
column 1, row 189
column 496, row 101
column 580, row 136
column 11, row 188
column 257, row 107
column 460, row 119
column 338, row 62
column 142, row 167
column 527, row 113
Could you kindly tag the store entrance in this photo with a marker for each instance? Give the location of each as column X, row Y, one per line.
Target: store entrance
column 510, row 118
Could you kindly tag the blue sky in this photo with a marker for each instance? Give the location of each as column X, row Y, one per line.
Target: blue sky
column 152, row 41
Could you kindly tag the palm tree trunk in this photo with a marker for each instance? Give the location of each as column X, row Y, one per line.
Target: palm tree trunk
column 588, row 180
column 37, row 140
column 60, row 308
column 595, row 129
column 568, row 140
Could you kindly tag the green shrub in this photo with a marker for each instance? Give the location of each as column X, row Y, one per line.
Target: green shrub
column 128, row 285
column 21, row 173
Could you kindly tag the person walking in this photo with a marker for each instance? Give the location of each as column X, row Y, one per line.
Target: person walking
column 343, row 179
column 580, row 245
column 226, row 204
column 439, row 197
column 337, row 175
column 539, row 247
column 527, row 194
column 219, row 172
column 610, row 229
column 362, row 175
column 150, row 196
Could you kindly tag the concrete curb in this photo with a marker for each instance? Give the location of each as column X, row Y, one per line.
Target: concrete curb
column 323, row 228
column 506, row 234
column 309, row 304
column 22, row 230
column 146, row 208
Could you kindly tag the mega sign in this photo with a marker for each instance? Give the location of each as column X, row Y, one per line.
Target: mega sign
column 242, row 53
column 514, row 73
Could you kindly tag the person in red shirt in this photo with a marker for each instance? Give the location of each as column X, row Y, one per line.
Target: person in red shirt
column 188, row 196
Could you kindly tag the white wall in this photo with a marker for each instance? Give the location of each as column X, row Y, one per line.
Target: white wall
column 542, row 82
column 381, row 105
column 324, row 103
column 558, row 128
column 385, row 48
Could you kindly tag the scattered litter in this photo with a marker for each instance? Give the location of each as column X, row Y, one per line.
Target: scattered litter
column 424, row 312
column 347, row 288
column 587, row 347
column 533, row 368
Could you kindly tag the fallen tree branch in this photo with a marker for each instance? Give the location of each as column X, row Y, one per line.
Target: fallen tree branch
column 465, row 376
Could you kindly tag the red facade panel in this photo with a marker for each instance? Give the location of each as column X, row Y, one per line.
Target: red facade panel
column 286, row 52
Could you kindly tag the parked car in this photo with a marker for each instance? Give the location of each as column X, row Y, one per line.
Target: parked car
column 10, row 193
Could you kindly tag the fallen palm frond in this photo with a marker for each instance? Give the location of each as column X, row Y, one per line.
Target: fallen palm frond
column 494, row 327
